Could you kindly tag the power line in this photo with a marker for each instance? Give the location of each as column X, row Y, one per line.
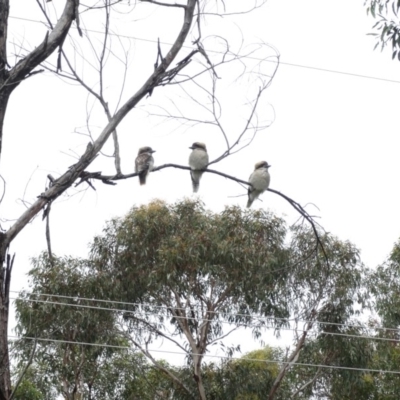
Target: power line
column 219, row 52
column 212, row 355
column 76, row 298
column 385, row 339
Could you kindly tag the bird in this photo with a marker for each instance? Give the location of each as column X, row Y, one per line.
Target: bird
column 144, row 163
column 198, row 160
column 259, row 181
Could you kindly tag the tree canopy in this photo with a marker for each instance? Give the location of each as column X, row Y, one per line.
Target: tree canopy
column 187, row 276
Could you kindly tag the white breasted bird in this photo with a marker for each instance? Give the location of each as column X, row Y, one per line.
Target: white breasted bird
column 198, row 160
column 259, row 181
column 144, row 163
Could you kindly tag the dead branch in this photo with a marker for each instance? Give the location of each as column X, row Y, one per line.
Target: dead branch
column 69, row 177
column 159, row 3
column 46, row 214
column 9, row 80
column 100, row 95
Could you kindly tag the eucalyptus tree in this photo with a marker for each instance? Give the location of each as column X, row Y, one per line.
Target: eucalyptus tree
column 326, row 292
column 200, row 271
column 188, row 276
column 384, row 284
column 196, row 269
column 59, row 322
column 387, row 26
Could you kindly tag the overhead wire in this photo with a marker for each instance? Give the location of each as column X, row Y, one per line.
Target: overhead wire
column 293, row 319
column 142, row 312
column 289, row 64
column 105, row 345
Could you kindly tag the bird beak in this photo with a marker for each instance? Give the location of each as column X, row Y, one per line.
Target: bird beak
column 191, row 147
column 153, row 151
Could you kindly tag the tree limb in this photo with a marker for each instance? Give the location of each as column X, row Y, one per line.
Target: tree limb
column 46, row 48
column 4, row 11
column 68, row 178
column 292, row 359
column 159, row 3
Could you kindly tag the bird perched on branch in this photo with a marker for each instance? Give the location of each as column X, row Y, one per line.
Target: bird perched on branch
column 144, row 163
column 198, row 160
column 259, row 181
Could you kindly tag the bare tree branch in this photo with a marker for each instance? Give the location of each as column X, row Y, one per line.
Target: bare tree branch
column 46, row 214
column 159, row 3
column 157, row 78
column 9, row 80
column 5, row 9
column 99, row 96
column 49, row 44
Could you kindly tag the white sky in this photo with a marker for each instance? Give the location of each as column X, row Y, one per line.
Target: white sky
column 334, row 142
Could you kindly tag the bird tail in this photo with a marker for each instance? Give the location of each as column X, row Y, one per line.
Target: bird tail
column 142, row 177
column 252, row 196
column 196, row 175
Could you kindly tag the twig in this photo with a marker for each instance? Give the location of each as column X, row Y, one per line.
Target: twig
column 159, row 3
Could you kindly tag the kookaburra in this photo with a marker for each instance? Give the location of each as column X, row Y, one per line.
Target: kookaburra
column 144, row 163
column 198, row 160
column 259, row 181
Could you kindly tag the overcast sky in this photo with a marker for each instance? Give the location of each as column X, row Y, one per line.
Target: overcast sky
column 334, row 141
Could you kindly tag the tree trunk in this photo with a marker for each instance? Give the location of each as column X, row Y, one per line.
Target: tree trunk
column 5, row 262
column 197, row 376
column 5, row 278
column 3, row 106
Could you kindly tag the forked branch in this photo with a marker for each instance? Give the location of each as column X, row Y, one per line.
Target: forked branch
column 74, row 172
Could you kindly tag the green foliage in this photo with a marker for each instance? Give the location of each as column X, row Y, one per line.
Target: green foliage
column 387, row 28
column 69, row 367
column 341, row 345
column 28, row 391
column 169, row 255
column 184, row 266
column 385, row 286
column 247, row 378
column 327, row 286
